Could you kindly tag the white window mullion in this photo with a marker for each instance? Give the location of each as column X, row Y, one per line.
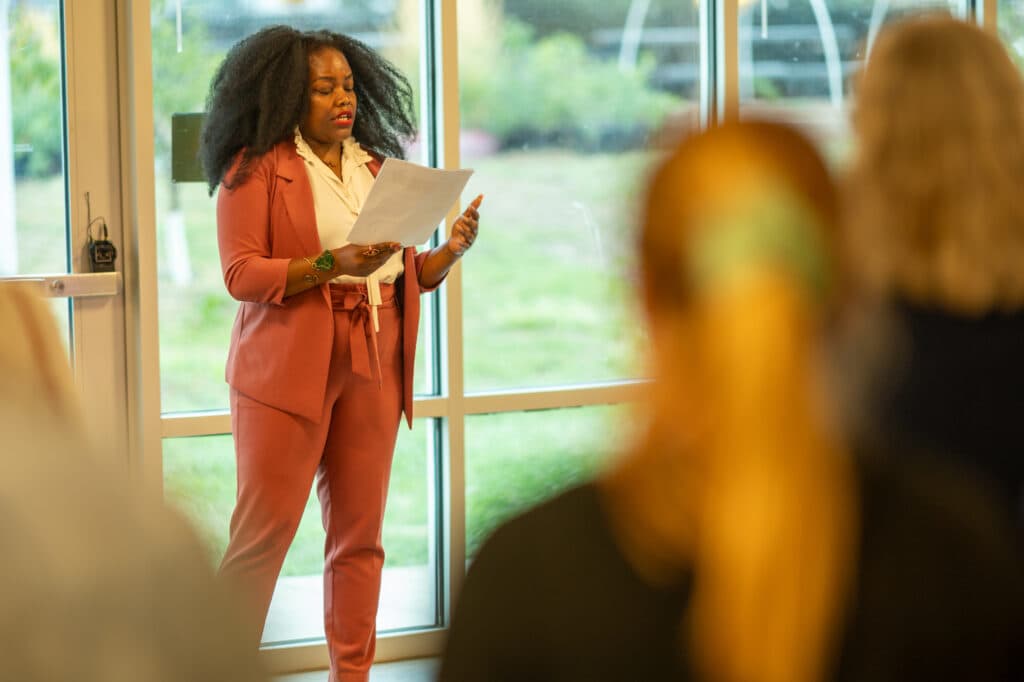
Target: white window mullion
column 454, row 476
column 728, row 60
column 990, row 15
column 140, row 249
column 93, row 167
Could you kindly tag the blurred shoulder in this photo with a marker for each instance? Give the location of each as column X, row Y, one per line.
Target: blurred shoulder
column 542, row 543
column 569, row 514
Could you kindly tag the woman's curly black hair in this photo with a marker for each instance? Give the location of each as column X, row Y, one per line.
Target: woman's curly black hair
column 261, row 92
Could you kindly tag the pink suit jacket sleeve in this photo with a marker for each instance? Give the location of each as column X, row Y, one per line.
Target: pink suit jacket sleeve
column 245, row 239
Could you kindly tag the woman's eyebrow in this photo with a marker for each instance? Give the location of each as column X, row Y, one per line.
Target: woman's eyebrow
column 347, row 76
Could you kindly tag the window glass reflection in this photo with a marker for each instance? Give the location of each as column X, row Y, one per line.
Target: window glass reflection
column 1011, row 28
column 560, row 103
column 798, row 60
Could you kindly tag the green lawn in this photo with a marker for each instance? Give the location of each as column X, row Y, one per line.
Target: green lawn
column 545, row 297
column 514, row 460
column 199, row 476
column 39, row 211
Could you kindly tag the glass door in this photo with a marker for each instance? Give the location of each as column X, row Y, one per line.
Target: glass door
column 59, row 170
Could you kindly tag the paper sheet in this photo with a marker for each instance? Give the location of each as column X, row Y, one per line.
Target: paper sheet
column 406, row 203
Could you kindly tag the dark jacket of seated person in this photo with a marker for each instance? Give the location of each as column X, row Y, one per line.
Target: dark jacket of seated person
column 954, row 388
column 938, row 593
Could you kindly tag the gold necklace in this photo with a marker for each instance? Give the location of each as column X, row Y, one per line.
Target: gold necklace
column 335, row 167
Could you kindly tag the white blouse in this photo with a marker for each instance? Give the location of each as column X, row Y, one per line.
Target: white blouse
column 337, row 203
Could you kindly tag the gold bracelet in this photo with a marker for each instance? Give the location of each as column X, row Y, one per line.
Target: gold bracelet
column 310, row 277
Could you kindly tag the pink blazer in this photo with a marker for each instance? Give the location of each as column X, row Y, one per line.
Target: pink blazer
column 280, row 348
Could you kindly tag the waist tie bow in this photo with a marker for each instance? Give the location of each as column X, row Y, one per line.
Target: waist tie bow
column 363, row 324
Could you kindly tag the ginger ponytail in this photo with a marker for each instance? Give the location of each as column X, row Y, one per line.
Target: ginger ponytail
column 774, row 543
column 739, row 476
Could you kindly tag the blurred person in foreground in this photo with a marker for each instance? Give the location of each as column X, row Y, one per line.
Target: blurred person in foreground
column 739, row 539
column 935, row 225
column 97, row 584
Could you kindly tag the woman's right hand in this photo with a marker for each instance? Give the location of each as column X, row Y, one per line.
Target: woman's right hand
column 359, row 260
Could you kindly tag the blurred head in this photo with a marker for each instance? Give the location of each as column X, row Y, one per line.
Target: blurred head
column 934, row 214
column 741, row 201
column 97, row 583
column 32, row 357
column 736, row 277
column 740, row 219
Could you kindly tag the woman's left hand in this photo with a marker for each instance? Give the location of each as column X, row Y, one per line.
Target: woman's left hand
column 465, row 228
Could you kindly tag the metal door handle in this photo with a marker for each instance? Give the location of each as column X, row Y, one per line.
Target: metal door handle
column 71, row 285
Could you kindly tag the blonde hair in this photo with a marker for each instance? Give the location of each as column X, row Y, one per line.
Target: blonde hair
column 934, row 209
column 738, row 474
column 98, row 583
column 32, row 356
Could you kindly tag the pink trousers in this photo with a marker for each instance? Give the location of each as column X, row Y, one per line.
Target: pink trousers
column 349, row 453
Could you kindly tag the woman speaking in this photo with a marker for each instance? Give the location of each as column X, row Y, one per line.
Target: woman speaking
column 321, row 357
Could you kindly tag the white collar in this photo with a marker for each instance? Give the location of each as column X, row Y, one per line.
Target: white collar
column 352, row 154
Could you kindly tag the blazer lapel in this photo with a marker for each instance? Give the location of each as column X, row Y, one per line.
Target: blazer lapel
column 298, row 197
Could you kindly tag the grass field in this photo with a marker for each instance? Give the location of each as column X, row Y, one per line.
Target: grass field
column 513, row 460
